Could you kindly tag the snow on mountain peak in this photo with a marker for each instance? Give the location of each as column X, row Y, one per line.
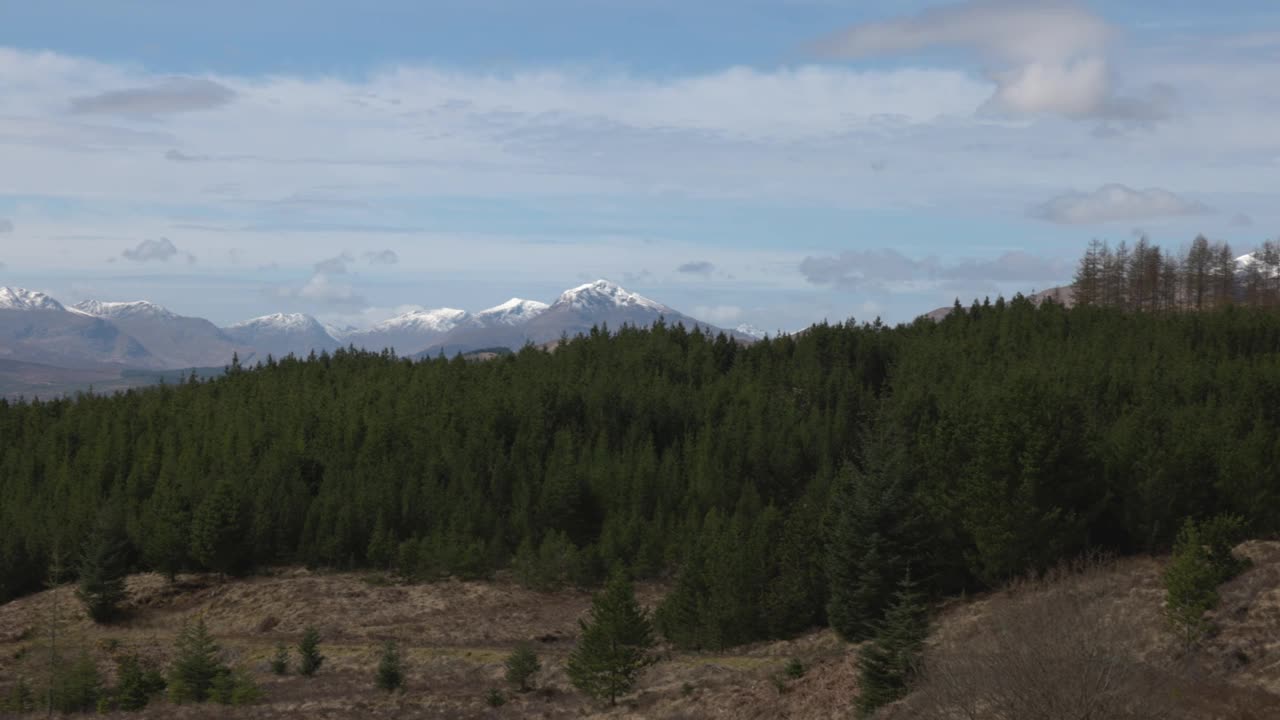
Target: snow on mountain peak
column 751, row 331
column 438, row 320
column 117, row 310
column 289, row 322
column 513, row 311
column 21, row 299
column 603, row 293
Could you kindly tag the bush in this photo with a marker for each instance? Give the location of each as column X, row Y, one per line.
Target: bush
column 76, row 685
column 280, row 661
column 522, row 665
column 794, row 669
column 309, row 655
column 19, row 699
column 390, row 675
column 138, row 681
column 1202, row 560
column 234, row 687
column 495, row 698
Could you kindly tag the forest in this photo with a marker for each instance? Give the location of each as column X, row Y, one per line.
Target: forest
column 786, row 484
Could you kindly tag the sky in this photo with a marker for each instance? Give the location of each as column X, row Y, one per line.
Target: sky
column 775, row 163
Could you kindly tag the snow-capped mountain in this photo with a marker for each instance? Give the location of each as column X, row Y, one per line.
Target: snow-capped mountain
column 36, row 328
column 23, row 299
column 511, row 312
column 281, row 334
column 175, row 341
column 604, row 296
column 1267, row 269
column 575, row 311
column 119, row 310
column 751, row 331
column 411, row 332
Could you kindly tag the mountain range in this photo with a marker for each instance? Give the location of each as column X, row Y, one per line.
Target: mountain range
column 38, row 331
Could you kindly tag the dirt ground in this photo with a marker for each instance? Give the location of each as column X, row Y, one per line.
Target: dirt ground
column 454, row 637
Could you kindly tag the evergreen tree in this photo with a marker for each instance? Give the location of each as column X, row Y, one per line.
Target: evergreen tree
column 889, row 662
column 103, row 567
column 390, row 676
column 309, row 657
column 137, row 681
column 196, row 664
column 615, row 645
column 217, row 532
column 872, row 536
column 521, row 666
column 76, row 686
column 280, row 661
column 1202, row 560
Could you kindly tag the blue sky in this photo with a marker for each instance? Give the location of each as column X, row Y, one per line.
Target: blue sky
column 799, row 159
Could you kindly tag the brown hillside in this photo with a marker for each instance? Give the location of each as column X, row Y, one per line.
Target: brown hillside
column 455, row 636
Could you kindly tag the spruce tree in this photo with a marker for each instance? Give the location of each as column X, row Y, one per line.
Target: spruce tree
column 196, row 664
column 889, row 661
column 521, row 666
column 103, row 567
column 617, row 638
column 390, row 676
column 309, row 657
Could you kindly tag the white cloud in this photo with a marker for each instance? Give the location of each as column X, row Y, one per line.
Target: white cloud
column 324, row 290
column 1045, row 56
column 382, row 257
column 1116, row 203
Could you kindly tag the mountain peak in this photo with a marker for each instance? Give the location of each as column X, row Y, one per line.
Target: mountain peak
column 23, row 299
column 281, row 321
column 603, row 293
column 117, row 310
column 436, row 320
column 513, row 311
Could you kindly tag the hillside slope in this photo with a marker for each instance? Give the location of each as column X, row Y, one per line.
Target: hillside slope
column 456, row 635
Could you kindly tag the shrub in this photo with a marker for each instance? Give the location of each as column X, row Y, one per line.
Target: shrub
column 521, row 666
column 138, row 681
column 234, row 687
column 76, row 685
column 794, row 669
column 280, row 661
column 495, row 698
column 309, row 655
column 1202, row 560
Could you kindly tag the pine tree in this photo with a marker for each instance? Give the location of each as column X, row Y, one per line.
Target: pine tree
column 103, row 567
column 889, row 662
column 310, row 659
column 390, row 675
column 521, row 666
column 616, row 642
column 196, row 664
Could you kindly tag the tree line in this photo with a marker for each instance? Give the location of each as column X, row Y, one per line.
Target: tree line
column 794, row 482
column 1206, row 275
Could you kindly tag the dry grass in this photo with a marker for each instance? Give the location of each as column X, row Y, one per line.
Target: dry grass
column 455, row 636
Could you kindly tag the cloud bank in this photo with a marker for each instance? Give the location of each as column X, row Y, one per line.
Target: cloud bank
column 175, row 95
